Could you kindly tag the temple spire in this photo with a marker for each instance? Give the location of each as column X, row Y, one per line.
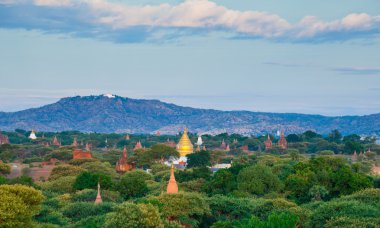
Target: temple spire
column 98, row 197
column 268, row 143
column 172, row 185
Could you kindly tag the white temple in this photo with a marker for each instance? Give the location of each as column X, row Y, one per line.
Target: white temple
column 32, row 135
column 200, row 141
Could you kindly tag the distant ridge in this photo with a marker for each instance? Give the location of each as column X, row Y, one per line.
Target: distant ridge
column 111, row 113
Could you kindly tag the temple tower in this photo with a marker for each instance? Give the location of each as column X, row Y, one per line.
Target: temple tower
column 98, row 196
column 268, row 143
column 172, row 185
column 282, row 142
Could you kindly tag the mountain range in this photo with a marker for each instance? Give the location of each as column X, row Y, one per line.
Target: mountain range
column 110, row 113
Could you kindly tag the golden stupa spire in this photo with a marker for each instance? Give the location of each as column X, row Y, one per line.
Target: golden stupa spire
column 184, row 146
column 172, row 185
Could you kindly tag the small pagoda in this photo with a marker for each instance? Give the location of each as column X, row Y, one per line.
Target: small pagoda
column 123, row 165
column 32, row 135
column 172, row 187
column 56, row 142
column 98, row 199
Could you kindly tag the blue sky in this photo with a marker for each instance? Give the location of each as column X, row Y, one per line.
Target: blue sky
column 317, row 57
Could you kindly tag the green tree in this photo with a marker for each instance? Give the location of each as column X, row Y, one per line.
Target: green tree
column 335, row 136
column 318, row 193
column 90, row 180
column 198, row 159
column 133, row 184
column 18, row 205
column 258, row 180
column 134, row 215
column 223, row 182
column 65, row 170
column 186, row 208
column 4, row 169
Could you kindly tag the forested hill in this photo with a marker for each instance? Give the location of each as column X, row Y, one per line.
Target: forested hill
column 119, row 114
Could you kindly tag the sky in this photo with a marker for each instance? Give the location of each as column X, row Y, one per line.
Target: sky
column 318, row 57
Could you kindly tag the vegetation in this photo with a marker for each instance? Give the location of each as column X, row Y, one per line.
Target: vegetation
column 314, row 183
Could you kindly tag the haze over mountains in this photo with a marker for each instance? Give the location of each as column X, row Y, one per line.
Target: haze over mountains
column 118, row 114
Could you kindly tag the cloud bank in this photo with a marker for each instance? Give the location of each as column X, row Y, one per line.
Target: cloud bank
column 119, row 22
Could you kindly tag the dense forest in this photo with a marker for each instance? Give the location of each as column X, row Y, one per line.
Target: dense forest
column 315, row 182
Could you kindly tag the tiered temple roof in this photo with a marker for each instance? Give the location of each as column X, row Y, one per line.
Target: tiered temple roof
column 123, row 165
column 172, row 187
column 127, row 137
column 228, row 147
column 268, row 143
column 79, row 154
column 184, row 146
column 282, row 142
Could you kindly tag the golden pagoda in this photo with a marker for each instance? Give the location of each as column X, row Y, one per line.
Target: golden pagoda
column 184, row 146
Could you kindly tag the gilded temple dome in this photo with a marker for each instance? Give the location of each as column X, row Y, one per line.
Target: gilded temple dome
column 184, row 146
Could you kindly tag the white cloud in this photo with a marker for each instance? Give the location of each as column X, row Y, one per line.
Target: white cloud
column 209, row 16
column 53, row 2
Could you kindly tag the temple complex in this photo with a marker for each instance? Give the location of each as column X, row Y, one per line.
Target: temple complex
column 158, row 133
column 138, row 146
column 3, row 139
column 80, row 154
column 123, row 165
column 184, row 146
column 98, row 199
column 32, row 135
column 268, row 143
column 282, row 141
column 172, row 185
